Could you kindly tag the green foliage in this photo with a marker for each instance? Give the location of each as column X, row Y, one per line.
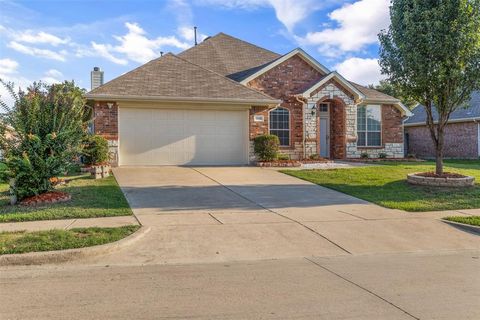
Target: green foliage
column 282, row 156
column 431, row 53
column 385, row 184
column 472, row 220
column 47, row 123
column 22, row 241
column 266, row 147
column 95, row 149
column 364, row 155
column 395, row 91
column 382, row 155
column 314, row 156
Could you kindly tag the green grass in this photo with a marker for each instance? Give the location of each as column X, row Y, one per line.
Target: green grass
column 473, row 220
column 22, row 241
column 385, row 184
column 90, row 198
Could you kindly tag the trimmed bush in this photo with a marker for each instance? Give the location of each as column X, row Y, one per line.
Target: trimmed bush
column 95, row 150
column 283, row 156
column 266, row 147
column 382, row 155
column 364, row 155
column 47, row 123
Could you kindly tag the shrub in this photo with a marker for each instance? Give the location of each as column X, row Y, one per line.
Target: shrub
column 266, row 147
column 47, row 123
column 282, row 156
column 314, row 156
column 95, row 149
column 364, row 155
column 382, row 155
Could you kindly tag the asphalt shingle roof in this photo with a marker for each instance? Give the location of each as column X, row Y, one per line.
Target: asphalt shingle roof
column 171, row 76
column 227, row 55
column 372, row 94
column 471, row 112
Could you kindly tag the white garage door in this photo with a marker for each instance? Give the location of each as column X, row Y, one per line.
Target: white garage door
column 182, row 137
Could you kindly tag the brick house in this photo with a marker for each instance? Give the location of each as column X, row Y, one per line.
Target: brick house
column 205, row 105
column 462, row 133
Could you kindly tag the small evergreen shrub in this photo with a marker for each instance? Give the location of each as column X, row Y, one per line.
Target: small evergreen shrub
column 314, row 156
column 266, row 147
column 283, row 156
column 364, row 155
column 382, row 155
column 95, row 150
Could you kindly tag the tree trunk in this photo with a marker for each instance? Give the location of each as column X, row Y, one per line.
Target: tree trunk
column 439, row 151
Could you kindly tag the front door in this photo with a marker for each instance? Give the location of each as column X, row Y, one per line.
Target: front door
column 324, row 137
column 324, row 124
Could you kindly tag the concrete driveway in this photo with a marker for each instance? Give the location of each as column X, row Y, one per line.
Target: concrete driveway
column 218, row 214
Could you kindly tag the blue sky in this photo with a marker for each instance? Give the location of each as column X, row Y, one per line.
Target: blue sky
column 54, row 40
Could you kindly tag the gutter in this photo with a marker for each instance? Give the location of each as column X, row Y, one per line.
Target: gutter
column 101, row 97
column 416, row 124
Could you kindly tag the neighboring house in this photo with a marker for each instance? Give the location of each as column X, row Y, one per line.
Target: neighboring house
column 205, row 105
column 462, row 133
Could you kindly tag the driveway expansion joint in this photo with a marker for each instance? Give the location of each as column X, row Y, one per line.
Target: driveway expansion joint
column 70, row 224
column 214, row 218
column 362, row 288
column 272, row 211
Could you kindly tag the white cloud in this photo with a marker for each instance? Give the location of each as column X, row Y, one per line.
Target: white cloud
column 52, row 76
column 103, row 50
column 7, row 66
column 40, row 37
column 37, row 52
column 134, row 46
column 188, row 34
column 288, row 12
column 363, row 71
column 358, row 26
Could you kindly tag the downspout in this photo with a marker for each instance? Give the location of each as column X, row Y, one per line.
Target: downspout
column 302, row 100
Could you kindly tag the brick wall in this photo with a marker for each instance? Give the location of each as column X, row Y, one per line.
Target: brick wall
column 105, row 122
column 392, row 125
column 291, row 77
column 461, row 141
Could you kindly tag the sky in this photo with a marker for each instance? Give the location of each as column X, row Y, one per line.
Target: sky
column 55, row 40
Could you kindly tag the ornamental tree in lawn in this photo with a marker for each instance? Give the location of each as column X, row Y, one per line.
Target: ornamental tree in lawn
column 46, row 125
column 431, row 51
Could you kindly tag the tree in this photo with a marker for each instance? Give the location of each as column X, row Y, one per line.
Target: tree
column 387, row 87
column 47, row 124
column 431, row 51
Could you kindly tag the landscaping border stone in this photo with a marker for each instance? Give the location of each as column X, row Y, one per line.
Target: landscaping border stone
column 416, row 179
column 61, row 256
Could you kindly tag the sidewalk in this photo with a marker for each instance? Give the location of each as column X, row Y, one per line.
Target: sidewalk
column 69, row 223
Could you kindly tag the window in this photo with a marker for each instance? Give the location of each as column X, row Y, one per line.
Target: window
column 323, row 107
column 369, row 126
column 280, row 125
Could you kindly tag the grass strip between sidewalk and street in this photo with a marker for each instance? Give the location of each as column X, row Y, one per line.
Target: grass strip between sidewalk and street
column 23, row 242
column 473, row 220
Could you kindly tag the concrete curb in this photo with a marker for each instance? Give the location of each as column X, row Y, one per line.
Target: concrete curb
column 465, row 227
column 60, row 256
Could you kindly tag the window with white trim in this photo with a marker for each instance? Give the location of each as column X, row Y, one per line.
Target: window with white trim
column 369, row 126
column 280, row 125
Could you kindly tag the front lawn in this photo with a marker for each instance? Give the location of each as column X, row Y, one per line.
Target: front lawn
column 473, row 220
column 385, row 184
column 90, row 198
column 22, row 242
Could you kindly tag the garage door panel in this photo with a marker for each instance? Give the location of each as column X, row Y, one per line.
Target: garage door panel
column 182, row 137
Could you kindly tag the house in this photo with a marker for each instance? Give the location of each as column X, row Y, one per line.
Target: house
column 462, row 133
column 205, row 105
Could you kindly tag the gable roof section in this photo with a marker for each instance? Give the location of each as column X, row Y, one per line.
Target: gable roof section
column 249, row 76
column 171, row 78
column 226, row 55
column 471, row 113
column 361, row 93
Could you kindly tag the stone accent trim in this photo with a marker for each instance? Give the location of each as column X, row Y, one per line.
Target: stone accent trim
column 415, row 179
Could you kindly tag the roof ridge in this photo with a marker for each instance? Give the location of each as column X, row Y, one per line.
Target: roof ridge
column 249, row 43
column 226, row 78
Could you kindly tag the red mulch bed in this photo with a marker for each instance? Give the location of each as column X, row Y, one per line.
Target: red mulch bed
column 46, row 198
column 444, row 175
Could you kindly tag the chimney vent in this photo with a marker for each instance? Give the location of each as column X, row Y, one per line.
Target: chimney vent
column 96, row 78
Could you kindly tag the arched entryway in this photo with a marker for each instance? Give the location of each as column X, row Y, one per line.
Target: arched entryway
column 331, row 128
